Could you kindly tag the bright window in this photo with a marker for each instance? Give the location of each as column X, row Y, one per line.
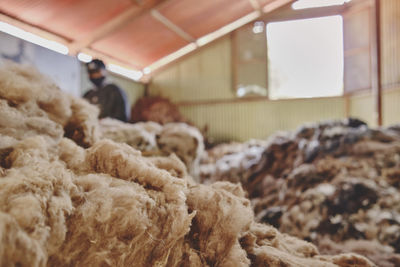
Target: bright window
column 305, row 58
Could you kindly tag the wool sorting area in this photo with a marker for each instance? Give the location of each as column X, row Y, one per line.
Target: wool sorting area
column 109, row 205
column 200, row 133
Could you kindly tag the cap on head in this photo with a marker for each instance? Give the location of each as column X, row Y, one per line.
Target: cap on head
column 95, row 65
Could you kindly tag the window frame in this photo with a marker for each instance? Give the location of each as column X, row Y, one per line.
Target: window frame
column 286, row 13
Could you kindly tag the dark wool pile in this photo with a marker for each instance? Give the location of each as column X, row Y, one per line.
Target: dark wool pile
column 336, row 180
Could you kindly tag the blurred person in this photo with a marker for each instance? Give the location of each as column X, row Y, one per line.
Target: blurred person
column 111, row 99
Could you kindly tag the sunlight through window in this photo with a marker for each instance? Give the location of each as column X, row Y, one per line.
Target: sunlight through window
column 305, row 58
column 302, row 4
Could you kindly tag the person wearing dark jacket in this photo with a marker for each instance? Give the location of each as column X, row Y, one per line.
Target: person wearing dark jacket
column 111, row 100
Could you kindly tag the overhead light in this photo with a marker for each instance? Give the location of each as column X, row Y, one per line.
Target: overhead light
column 258, row 27
column 302, row 4
column 84, row 57
column 129, row 73
column 147, row 70
column 35, row 39
column 171, row 57
column 228, row 28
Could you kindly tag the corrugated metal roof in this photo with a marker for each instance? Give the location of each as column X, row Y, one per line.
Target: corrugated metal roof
column 136, row 33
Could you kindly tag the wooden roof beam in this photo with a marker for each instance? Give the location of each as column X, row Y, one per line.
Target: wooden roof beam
column 255, row 4
column 377, row 63
column 54, row 37
column 112, row 25
column 170, row 25
column 35, row 30
column 165, row 61
column 107, row 58
column 275, row 5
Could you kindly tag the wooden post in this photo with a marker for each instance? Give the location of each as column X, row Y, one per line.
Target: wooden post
column 376, row 63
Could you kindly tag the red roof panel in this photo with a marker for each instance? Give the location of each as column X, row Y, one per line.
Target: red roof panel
column 142, row 42
column 135, row 38
column 72, row 19
column 199, row 18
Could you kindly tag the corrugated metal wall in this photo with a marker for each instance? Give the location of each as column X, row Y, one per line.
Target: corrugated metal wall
column 390, row 41
column 391, row 107
column 391, row 60
column 362, row 106
column 207, row 75
column 259, row 119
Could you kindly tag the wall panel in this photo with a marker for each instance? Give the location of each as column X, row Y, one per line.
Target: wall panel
column 258, row 119
column 390, row 41
column 205, row 75
column 357, row 49
column 362, row 107
column 391, row 107
column 62, row 69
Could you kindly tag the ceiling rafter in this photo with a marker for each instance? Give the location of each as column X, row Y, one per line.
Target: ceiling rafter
column 33, row 29
column 159, row 65
column 113, row 24
column 54, row 37
column 275, row 5
column 108, row 58
column 140, row 7
column 255, row 4
column 170, row 25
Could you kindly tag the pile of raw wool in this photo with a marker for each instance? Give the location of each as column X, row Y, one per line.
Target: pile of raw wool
column 156, row 109
column 335, row 180
column 185, row 141
column 141, row 136
column 232, row 162
column 106, row 205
